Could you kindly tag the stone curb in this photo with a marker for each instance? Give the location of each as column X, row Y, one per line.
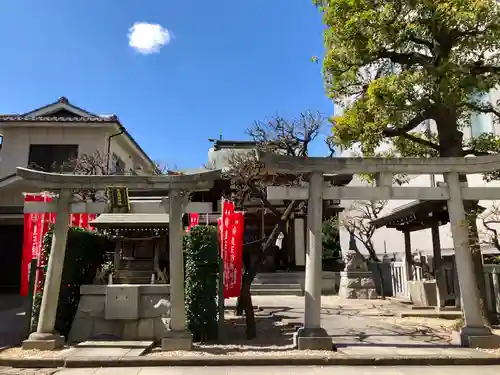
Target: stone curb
column 249, row 361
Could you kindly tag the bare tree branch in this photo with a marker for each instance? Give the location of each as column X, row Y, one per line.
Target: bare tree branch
column 356, row 220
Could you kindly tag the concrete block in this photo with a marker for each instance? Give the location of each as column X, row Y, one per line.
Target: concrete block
column 475, row 341
column 484, row 342
column 312, row 339
column 177, row 340
column 109, row 328
column 122, row 302
column 160, row 328
column 81, row 329
column 423, row 293
column 43, row 341
column 129, row 330
column 315, row 343
column 145, row 329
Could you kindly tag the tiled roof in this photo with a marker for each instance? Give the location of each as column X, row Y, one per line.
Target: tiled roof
column 5, row 118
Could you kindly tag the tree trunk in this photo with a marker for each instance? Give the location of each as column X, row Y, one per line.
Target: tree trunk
column 477, row 259
column 254, row 261
column 374, row 258
column 450, row 145
column 381, row 277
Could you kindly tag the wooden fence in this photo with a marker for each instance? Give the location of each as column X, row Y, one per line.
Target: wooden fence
column 491, row 274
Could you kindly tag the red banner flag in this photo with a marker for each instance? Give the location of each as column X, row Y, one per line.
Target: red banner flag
column 32, row 243
column 36, row 225
column 194, row 219
column 227, row 233
column 91, row 217
column 234, row 268
column 84, row 221
column 75, row 220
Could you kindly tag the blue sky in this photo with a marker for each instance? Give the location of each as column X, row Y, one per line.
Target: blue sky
column 227, row 64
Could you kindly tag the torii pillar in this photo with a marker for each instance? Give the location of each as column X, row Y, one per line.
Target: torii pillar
column 45, row 338
column 312, row 336
column 178, row 337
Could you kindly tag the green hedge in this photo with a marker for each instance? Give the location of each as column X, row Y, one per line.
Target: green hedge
column 201, row 254
column 85, row 253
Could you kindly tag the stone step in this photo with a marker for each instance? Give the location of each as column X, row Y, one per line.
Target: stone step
column 276, row 286
column 132, row 280
column 134, row 273
column 276, row 292
column 135, row 265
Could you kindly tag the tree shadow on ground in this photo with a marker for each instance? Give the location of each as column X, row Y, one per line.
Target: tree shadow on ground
column 423, row 336
column 272, row 335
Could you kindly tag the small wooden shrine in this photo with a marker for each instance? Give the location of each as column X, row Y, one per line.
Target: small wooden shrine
column 141, row 252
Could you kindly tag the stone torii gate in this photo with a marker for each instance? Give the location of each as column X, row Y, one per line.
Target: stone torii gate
column 312, row 335
column 179, row 338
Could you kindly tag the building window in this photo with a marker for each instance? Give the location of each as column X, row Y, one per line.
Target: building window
column 118, row 166
column 481, row 122
column 52, row 158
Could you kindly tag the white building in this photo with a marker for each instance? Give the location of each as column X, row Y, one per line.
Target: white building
column 48, row 137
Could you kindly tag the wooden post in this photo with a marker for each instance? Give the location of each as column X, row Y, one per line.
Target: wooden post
column 408, row 258
column 438, row 263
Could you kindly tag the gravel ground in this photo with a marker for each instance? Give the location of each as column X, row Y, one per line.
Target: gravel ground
column 243, row 351
column 18, row 352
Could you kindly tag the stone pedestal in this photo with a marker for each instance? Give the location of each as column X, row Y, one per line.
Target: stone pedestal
column 479, row 337
column 177, row 340
column 357, row 285
column 313, row 339
column 43, row 341
column 97, row 318
column 423, row 293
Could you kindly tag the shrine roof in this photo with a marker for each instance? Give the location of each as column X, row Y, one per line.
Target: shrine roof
column 131, row 220
column 417, row 215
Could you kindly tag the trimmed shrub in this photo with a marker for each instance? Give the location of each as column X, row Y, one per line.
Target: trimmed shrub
column 85, row 253
column 332, row 254
column 201, row 254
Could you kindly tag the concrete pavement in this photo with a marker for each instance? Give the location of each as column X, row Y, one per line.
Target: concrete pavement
column 13, row 326
column 285, row 370
column 354, row 322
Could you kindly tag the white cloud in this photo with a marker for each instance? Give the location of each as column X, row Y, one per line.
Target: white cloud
column 148, row 38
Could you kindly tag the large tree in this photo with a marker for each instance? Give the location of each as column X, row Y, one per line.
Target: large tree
column 396, row 64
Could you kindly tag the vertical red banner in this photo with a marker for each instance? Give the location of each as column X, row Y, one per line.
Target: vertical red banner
column 47, row 219
column 75, row 220
column 233, row 272
column 33, row 231
column 227, row 234
column 194, row 219
column 84, row 221
column 91, row 217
